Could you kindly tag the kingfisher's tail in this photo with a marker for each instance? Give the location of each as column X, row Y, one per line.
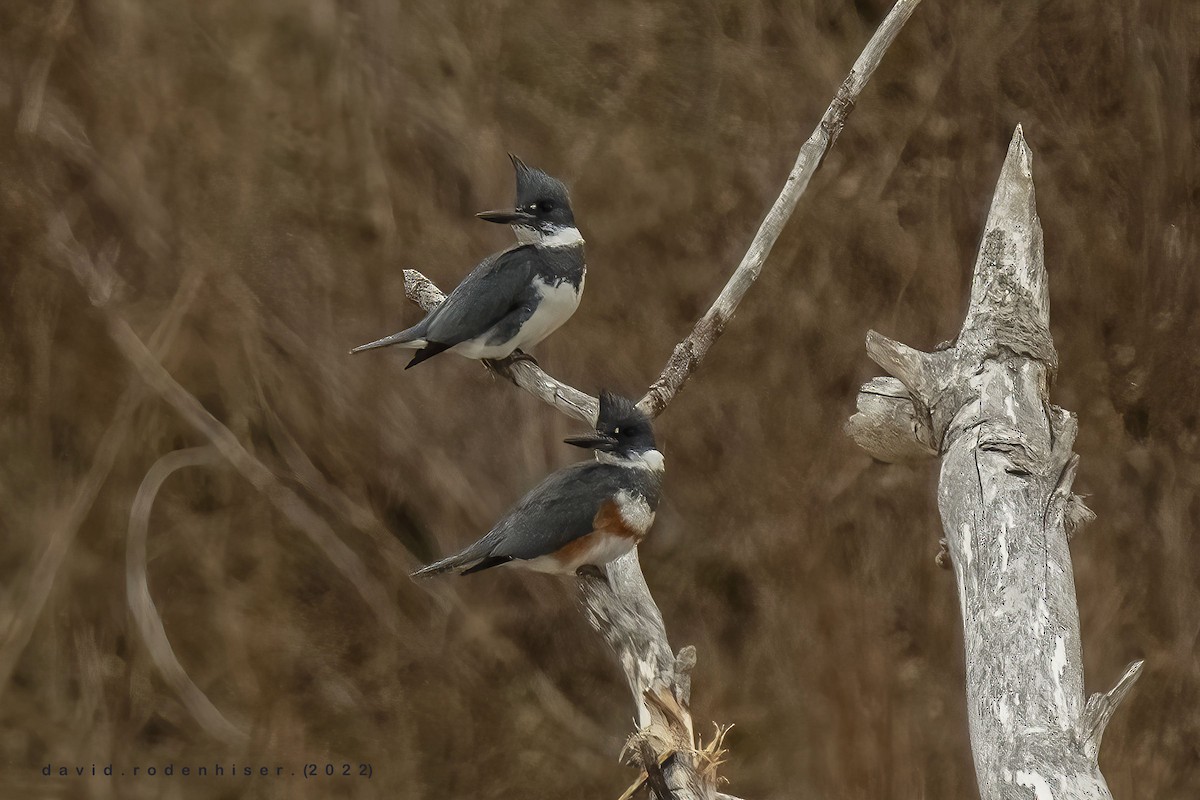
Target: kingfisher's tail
column 448, row 564
column 463, row 563
column 410, row 339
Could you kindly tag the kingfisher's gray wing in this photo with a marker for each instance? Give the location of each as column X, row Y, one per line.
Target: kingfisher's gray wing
column 500, row 285
column 562, row 508
column 557, row 511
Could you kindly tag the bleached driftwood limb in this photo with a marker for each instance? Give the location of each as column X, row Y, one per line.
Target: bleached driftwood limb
column 621, row 607
column 1006, row 505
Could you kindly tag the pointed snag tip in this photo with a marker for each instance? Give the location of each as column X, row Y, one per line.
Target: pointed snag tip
column 1132, row 673
column 1019, row 154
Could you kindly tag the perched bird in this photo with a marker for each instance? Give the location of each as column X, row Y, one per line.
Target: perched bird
column 586, row 514
column 514, row 298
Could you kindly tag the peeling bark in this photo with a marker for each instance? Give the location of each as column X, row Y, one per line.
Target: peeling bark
column 1007, row 509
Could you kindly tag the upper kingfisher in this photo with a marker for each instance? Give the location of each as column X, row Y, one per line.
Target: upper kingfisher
column 586, row 514
column 514, row 298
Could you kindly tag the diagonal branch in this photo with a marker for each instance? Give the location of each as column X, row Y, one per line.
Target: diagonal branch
column 619, row 604
column 1101, row 707
column 688, row 354
column 691, row 351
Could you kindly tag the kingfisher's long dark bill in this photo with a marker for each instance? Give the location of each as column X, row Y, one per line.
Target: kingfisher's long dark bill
column 509, row 217
column 593, row 441
column 384, row 342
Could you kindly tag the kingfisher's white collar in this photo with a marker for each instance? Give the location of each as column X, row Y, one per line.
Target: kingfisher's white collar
column 651, row 460
column 558, row 236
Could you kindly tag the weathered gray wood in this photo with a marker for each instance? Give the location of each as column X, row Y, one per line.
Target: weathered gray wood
column 1007, row 508
column 887, row 424
column 620, row 606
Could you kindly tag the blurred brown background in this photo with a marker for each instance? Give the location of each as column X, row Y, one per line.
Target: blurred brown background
column 252, row 177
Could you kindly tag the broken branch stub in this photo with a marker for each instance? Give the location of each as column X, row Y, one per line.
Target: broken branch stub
column 618, row 604
column 1005, row 498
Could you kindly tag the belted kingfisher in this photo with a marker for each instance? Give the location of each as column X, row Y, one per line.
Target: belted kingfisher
column 586, row 514
column 514, row 298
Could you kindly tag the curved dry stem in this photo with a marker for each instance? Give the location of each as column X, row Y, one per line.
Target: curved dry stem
column 141, row 604
column 93, row 278
column 64, row 528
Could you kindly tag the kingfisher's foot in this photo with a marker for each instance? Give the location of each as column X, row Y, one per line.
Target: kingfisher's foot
column 521, row 355
column 591, row 571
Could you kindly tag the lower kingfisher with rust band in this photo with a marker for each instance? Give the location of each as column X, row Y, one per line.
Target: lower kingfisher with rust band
column 587, row 514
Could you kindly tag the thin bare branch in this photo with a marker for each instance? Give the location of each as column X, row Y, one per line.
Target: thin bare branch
column 688, row 354
column 1101, row 707
column 620, row 607
column 691, row 351
column 35, row 85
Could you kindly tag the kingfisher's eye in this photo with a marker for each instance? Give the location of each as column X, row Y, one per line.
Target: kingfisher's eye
column 545, row 206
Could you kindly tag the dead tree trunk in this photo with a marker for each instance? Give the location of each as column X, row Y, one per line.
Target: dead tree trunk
column 1006, row 505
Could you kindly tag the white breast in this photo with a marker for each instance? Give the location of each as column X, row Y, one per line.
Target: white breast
column 557, row 305
column 635, row 511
